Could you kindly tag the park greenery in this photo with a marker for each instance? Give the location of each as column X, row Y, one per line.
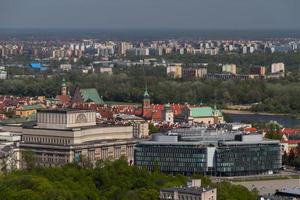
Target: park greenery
column 280, row 96
column 111, row 180
column 127, row 83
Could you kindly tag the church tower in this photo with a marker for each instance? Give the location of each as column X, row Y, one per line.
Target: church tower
column 64, row 90
column 146, row 101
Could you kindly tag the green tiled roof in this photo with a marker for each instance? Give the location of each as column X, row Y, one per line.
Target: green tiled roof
column 32, row 107
column 91, row 95
column 204, row 112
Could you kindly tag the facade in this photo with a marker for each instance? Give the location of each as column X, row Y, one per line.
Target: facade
column 139, row 125
column 193, row 73
column 192, row 191
column 107, row 70
column 249, row 154
column 229, row 68
column 227, row 76
column 258, row 70
column 26, row 111
column 64, row 136
column 9, row 151
column 3, row 74
column 174, row 70
column 171, row 156
column 245, row 155
column 167, row 113
column 65, row 67
column 277, row 68
column 123, row 47
column 140, row 129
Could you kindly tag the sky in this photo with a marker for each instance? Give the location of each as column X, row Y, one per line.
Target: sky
column 150, row 14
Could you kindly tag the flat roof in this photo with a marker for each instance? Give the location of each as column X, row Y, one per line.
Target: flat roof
column 250, row 142
column 63, row 110
column 187, row 190
column 171, row 143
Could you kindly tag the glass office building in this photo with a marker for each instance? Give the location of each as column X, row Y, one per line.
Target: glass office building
column 179, row 157
column 245, row 155
column 246, row 158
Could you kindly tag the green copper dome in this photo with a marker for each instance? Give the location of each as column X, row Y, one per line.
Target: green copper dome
column 63, row 84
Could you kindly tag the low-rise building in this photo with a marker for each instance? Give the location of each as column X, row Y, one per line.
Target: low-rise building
column 258, row 70
column 192, row 191
column 202, row 114
column 229, row 68
column 174, row 70
column 102, row 69
column 27, row 110
column 65, row 67
column 9, row 151
column 193, row 73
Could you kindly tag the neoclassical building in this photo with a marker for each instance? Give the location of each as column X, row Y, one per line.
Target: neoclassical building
column 62, row 136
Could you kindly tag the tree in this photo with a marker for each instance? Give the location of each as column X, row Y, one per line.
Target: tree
column 28, row 159
column 153, row 129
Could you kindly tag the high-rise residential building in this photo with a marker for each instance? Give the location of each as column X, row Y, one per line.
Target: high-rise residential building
column 123, row 47
column 229, row 68
column 277, row 68
column 244, row 49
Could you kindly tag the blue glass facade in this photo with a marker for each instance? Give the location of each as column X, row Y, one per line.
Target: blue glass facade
column 235, row 160
column 179, row 158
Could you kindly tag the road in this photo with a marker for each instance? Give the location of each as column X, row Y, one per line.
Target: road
column 269, row 187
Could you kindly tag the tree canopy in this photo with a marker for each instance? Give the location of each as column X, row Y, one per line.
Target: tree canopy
column 107, row 181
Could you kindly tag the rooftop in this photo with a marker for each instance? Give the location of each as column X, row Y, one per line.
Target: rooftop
column 188, row 190
column 63, row 110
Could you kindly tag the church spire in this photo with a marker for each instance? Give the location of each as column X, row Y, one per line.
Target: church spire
column 64, row 87
column 146, row 94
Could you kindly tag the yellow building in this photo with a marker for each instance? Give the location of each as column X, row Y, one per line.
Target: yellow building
column 26, row 111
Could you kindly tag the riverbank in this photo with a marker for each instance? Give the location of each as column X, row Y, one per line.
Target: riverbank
column 244, row 112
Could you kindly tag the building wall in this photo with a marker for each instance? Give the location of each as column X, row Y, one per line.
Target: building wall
column 61, row 120
column 54, row 147
column 209, row 195
column 25, row 113
column 174, row 70
column 103, row 133
column 230, row 68
column 140, row 129
column 247, row 159
column 171, row 158
column 277, row 67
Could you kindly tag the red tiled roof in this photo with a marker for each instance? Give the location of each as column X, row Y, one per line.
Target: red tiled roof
column 289, row 131
column 64, row 99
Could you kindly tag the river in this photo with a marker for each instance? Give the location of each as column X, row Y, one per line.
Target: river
column 281, row 119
